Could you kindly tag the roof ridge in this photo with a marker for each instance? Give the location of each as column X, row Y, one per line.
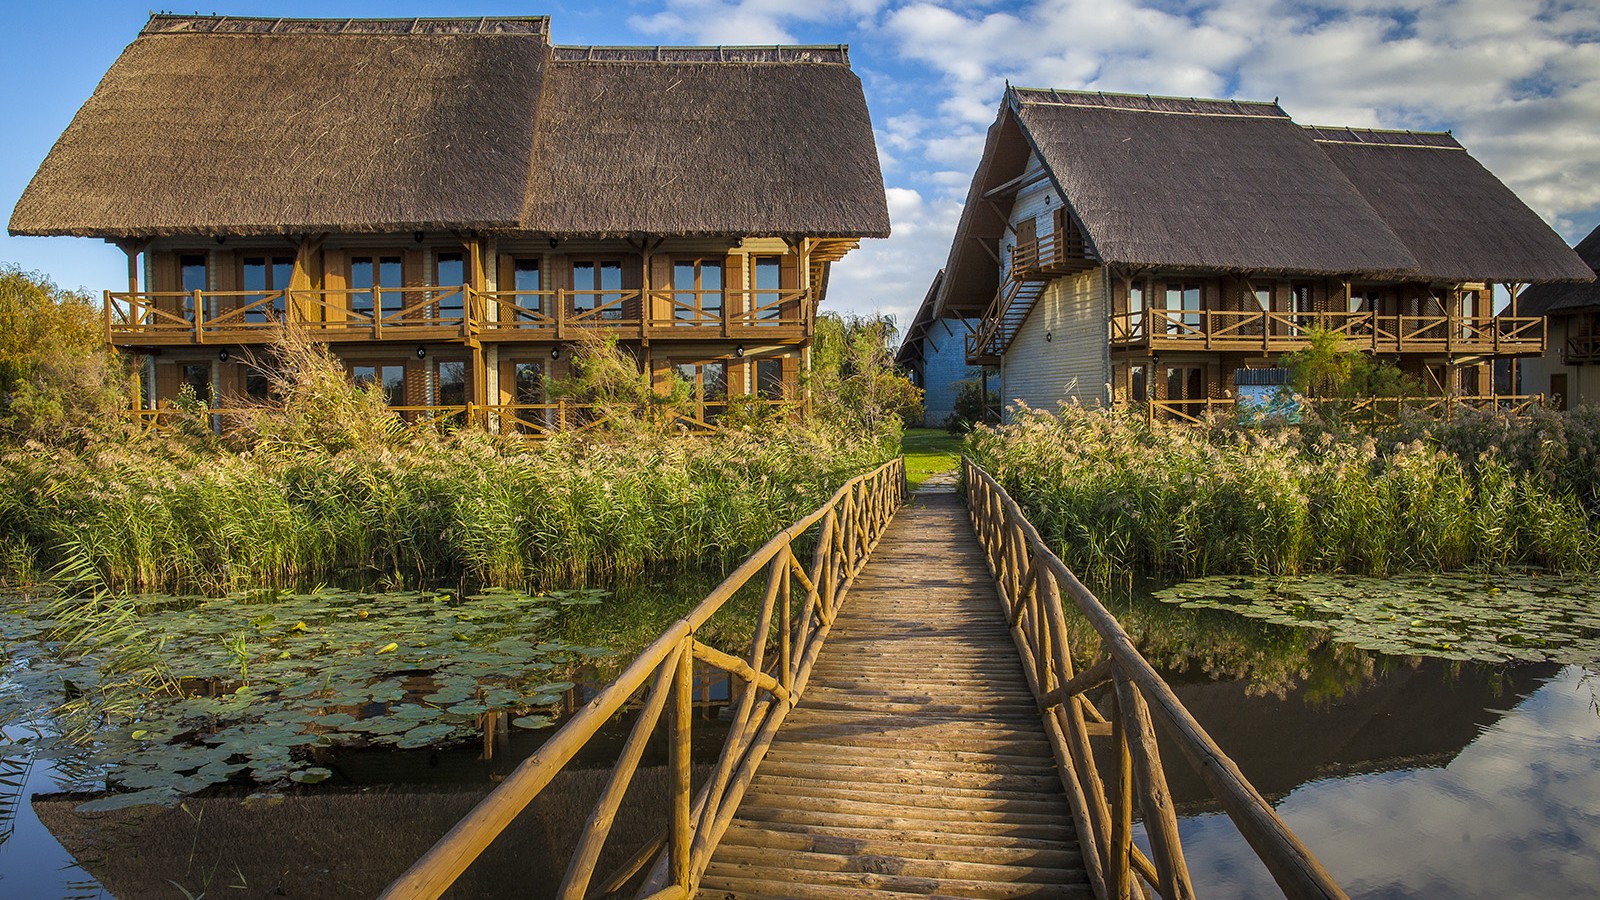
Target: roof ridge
column 720, row 53
column 1427, row 140
column 1129, row 102
column 169, row 23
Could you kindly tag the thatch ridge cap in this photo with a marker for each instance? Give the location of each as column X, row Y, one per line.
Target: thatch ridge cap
column 732, row 54
column 169, row 24
column 1384, row 137
column 1129, row 102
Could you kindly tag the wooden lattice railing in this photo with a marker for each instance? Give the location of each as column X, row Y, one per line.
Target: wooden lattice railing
column 797, row 611
column 1034, row 585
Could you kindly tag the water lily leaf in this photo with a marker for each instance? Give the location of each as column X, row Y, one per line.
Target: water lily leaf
column 313, row 775
column 388, row 648
column 423, row 735
column 532, row 722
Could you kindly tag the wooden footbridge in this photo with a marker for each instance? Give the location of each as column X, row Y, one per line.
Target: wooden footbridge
column 942, row 745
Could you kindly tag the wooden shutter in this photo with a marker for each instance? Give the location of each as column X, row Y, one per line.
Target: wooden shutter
column 1027, row 232
column 789, row 280
column 660, row 281
column 506, row 273
column 632, row 280
column 335, row 279
column 508, row 376
column 166, row 383
column 412, row 275
column 734, row 299
column 416, row 392
column 163, row 277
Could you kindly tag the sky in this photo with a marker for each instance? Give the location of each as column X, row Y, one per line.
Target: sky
column 1516, row 81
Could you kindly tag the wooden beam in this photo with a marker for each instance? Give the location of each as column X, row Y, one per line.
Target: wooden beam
column 1025, row 180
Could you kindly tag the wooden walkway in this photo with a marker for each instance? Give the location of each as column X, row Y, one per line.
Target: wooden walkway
column 916, row 762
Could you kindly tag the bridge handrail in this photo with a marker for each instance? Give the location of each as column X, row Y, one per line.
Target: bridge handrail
column 853, row 520
column 1031, row 581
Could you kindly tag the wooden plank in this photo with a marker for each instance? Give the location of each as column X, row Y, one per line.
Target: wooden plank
column 915, row 760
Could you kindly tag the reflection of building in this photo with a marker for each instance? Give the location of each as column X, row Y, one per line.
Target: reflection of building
column 449, row 202
column 1122, row 248
column 1406, row 717
column 1570, row 367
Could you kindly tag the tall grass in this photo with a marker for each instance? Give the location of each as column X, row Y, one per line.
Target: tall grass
column 1116, row 494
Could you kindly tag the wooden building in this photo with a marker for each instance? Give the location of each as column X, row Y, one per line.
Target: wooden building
column 1569, row 370
column 449, row 203
column 1116, row 248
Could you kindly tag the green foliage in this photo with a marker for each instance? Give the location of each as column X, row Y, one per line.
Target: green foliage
column 1328, row 367
column 1116, row 494
column 314, row 407
column 854, row 382
column 608, row 379
column 971, row 406
column 59, row 384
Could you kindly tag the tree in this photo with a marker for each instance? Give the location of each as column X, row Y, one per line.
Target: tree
column 854, row 381
column 1328, row 368
column 59, row 382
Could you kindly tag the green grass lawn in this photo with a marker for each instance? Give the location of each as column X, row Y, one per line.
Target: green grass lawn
column 929, row 451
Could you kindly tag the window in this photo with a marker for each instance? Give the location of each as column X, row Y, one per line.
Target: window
column 1135, row 309
column 597, row 285
column 766, row 276
column 708, row 385
column 263, row 276
column 191, row 278
column 1263, row 297
column 525, row 278
column 451, row 382
column 1138, row 388
column 390, row 379
column 198, row 377
column 1185, row 297
column 769, row 379
column 368, row 272
column 528, row 383
column 697, row 291
column 450, row 272
column 1187, row 383
column 257, row 384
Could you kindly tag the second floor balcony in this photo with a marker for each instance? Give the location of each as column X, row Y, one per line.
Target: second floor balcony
column 1275, row 332
column 452, row 313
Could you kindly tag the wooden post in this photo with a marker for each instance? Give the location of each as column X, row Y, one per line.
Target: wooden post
column 679, row 836
column 1155, row 799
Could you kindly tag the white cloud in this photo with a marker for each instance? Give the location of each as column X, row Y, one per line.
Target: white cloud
column 747, row 21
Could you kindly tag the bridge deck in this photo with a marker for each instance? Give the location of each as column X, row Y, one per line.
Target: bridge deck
column 916, row 762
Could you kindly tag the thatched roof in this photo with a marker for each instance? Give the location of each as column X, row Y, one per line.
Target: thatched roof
column 760, row 141
column 1219, row 185
column 1544, row 299
column 220, row 125
column 1458, row 220
column 910, row 349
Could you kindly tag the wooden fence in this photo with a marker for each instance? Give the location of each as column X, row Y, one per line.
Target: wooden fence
column 797, row 611
column 1033, row 585
column 1361, row 411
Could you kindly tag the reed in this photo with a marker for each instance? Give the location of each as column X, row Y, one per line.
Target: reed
column 1117, row 494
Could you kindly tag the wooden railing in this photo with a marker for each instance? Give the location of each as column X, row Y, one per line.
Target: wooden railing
column 1582, row 349
column 797, row 611
column 1225, row 329
column 1051, row 253
column 1369, row 410
column 1034, row 584
column 454, row 312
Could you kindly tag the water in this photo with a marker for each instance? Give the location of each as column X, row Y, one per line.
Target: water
column 1409, row 777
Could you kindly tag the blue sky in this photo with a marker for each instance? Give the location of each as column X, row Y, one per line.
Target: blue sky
column 1518, row 81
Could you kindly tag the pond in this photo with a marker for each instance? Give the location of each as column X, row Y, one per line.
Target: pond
column 1408, row 774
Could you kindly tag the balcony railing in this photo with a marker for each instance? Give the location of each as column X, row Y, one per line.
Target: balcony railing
column 451, row 313
column 1369, row 410
column 1582, row 349
column 1218, row 329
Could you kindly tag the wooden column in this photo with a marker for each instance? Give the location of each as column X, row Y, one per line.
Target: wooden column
column 478, row 279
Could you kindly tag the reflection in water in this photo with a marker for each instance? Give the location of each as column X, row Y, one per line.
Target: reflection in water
column 1439, row 790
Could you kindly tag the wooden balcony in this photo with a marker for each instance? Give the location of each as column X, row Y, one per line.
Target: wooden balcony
column 1050, row 255
column 454, row 314
column 1581, row 349
column 1369, row 410
column 1276, row 332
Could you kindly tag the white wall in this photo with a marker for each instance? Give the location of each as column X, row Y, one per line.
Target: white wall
column 1061, row 351
column 1583, row 382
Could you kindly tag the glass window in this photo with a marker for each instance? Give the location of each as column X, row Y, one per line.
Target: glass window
column 257, row 384
column 1138, row 391
column 452, row 382
column 264, row 275
column 368, row 272
column 1135, row 308
column 769, row 379
column 708, row 382
column 198, row 377
column 766, row 273
column 390, row 379
column 529, row 382
column 1263, row 296
column 1185, row 297
column 697, row 291
column 597, row 286
column 450, row 271
column 525, row 277
column 191, row 278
